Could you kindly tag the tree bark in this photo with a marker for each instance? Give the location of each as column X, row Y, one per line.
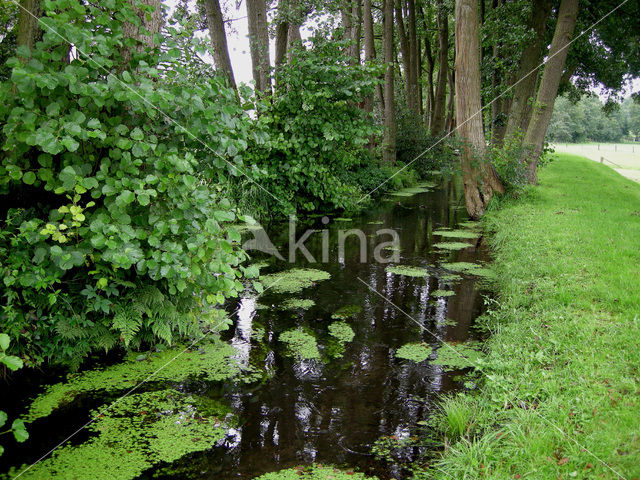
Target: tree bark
column 479, row 178
column 282, row 37
column 450, row 122
column 151, row 22
column 404, row 52
column 218, row 36
column 440, row 99
column 527, row 76
column 259, row 44
column 29, row 31
column 389, row 141
column 369, row 46
column 414, row 73
column 428, row 55
column 293, row 35
column 553, row 69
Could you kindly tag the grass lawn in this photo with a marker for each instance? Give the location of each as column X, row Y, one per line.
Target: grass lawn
column 622, row 157
column 561, row 394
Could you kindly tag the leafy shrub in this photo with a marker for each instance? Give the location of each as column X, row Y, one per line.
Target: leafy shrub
column 508, row 162
column 117, row 229
column 12, row 363
column 312, row 130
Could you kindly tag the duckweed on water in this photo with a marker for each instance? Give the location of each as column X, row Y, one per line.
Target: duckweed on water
column 416, row 352
column 298, row 303
column 315, row 472
column 134, row 434
column 470, row 269
column 407, row 270
column 294, row 280
column 452, row 245
column 300, row 344
column 457, row 356
column 456, row 233
column 346, row 312
column 212, row 360
column 341, row 331
column 442, row 293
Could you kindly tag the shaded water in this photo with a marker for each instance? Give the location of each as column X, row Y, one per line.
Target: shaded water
column 332, row 410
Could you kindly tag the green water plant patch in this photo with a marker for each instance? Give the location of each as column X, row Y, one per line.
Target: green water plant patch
column 416, row 352
column 407, row 270
column 347, row 311
column 300, row 344
column 452, row 245
column 314, row 472
column 134, row 434
column 293, row 280
column 211, row 360
column 341, row 331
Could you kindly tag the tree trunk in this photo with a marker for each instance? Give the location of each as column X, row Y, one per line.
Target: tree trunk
column 450, row 122
column 527, row 76
column 389, row 141
column 553, row 69
column 259, row 44
column 218, row 36
column 428, row 55
column 440, row 99
column 404, row 51
column 369, row 46
column 293, row 35
column 414, row 73
column 479, row 178
column 29, row 31
column 152, row 22
column 282, row 37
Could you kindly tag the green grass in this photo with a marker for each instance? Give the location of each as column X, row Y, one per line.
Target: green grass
column 561, row 391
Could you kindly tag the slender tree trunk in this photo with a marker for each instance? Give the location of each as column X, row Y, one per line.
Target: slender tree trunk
column 293, row 35
column 29, row 31
column 259, row 44
column 526, row 78
column 218, row 36
column 282, row 37
column 356, row 31
column 369, row 46
column 479, row 178
column 413, row 58
column 440, row 99
column 450, row 122
column 553, row 69
column 404, row 51
column 428, row 55
column 389, row 141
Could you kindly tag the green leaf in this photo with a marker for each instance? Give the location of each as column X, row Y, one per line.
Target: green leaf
column 4, row 341
column 19, row 430
column 53, row 109
column 3, row 418
column 29, row 178
column 13, row 363
column 70, row 144
column 125, row 197
column 136, row 134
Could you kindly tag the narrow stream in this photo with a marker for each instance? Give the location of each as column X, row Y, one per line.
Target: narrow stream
column 331, row 410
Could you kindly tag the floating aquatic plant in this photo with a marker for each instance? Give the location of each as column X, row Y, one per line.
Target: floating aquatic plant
column 298, row 303
column 346, row 312
column 469, row 268
column 457, row 356
column 407, row 270
column 416, row 352
column 293, row 280
column 450, row 277
column 452, row 245
column 314, row 472
column 456, row 233
column 135, row 433
column 443, row 293
column 212, row 360
column 300, row 344
column 341, row 331
column 375, row 222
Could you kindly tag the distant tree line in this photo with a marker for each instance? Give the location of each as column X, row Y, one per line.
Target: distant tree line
column 589, row 120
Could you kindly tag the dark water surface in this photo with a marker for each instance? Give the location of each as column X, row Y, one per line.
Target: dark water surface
column 330, row 411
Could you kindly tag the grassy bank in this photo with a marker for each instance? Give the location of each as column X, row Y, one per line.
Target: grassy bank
column 561, row 398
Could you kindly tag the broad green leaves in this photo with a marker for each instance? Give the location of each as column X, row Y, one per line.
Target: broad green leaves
column 131, row 199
